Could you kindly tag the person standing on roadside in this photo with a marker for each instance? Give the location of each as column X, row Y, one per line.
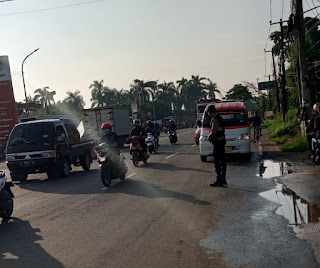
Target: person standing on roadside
column 218, row 139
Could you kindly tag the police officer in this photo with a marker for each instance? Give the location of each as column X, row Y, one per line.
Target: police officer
column 218, row 139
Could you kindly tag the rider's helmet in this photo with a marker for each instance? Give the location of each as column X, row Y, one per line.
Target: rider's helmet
column 316, row 107
column 106, row 128
column 149, row 123
column 137, row 123
column 172, row 121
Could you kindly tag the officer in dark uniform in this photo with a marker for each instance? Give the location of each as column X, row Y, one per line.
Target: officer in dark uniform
column 218, row 139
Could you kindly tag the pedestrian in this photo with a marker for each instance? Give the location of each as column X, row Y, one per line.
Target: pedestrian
column 218, row 139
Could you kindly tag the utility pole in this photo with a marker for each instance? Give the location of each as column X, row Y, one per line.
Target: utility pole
column 305, row 92
column 283, row 74
column 276, row 81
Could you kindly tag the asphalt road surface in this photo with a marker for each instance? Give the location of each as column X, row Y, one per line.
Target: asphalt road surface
column 163, row 215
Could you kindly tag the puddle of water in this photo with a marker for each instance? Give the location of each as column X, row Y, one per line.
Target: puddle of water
column 271, row 169
column 297, row 210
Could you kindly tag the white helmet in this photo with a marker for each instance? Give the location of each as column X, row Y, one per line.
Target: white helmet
column 3, row 179
column 316, row 107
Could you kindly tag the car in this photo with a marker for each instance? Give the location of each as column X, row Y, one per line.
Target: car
column 237, row 131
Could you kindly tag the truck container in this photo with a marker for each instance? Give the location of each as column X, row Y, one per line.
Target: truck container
column 119, row 118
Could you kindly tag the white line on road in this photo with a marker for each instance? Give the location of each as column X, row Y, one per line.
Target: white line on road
column 171, row 156
column 194, row 145
column 260, row 149
column 131, row 175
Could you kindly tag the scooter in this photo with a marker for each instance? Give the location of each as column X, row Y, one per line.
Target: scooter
column 173, row 136
column 137, row 151
column 112, row 165
column 6, row 197
column 316, row 151
column 151, row 143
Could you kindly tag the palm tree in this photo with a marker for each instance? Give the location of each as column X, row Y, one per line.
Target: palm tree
column 139, row 91
column 97, row 93
column 167, row 94
column 182, row 82
column 75, row 101
column 41, row 95
column 212, row 89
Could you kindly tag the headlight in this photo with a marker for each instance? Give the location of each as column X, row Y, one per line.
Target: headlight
column 244, row 137
column 10, row 157
column 49, row 154
column 102, row 158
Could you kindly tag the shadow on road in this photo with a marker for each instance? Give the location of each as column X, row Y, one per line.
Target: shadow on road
column 19, row 246
column 170, row 167
column 149, row 190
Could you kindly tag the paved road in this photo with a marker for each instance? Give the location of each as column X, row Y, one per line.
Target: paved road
column 164, row 215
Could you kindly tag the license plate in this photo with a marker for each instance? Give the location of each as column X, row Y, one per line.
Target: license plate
column 228, row 149
column 27, row 163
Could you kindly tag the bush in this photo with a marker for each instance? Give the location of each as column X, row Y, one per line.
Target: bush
column 298, row 144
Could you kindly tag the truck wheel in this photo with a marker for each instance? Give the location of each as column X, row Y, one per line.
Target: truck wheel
column 18, row 176
column 86, row 162
column 65, row 168
column 203, row 158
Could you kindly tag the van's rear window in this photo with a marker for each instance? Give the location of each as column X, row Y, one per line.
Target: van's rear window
column 231, row 119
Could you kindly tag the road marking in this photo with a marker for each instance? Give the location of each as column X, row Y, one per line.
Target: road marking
column 194, row 145
column 131, row 175
column 171, row 156
column 260, row 149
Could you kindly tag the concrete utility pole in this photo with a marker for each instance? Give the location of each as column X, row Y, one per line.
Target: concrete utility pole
column 303, row 65
column 276, row 81
column 283, row 74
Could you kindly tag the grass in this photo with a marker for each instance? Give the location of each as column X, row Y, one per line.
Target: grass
column 287, row 133
column 297, row 144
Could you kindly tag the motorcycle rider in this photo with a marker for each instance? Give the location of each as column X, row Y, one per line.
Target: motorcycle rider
column 172, row 127
column 316, row 108
column 110, row 139
column 256, row 122
column 139, row 132
column 151, row 129
column 218, row 139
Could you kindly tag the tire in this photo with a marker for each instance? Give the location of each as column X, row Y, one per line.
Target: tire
column 135, row 159
column 145, row 160
column 6, row 215
column 122, row 176
column 106, row 177
column 86, row 162
column 18, row 176
column 203, row 158
column 247, row 157
column 65, row 168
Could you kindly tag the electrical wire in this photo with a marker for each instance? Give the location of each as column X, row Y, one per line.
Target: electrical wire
column 315, row 7
column 310, row 7
column 50, row 8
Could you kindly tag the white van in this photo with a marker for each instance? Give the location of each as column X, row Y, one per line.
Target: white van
column 237, row 127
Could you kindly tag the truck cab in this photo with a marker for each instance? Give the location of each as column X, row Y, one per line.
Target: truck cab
column 44, row 146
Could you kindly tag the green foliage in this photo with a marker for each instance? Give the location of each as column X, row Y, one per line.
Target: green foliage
column 239, row 92
column 281, row 139
column 297, row 144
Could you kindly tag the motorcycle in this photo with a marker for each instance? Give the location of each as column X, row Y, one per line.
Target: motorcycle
column 316, row 151
column 137, row 151
column 112, row 165
column 173, row 136
column 151, row 143
column 6, row 197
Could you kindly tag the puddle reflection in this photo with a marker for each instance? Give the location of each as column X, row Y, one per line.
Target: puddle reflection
column 294, row 208
column 271, row 169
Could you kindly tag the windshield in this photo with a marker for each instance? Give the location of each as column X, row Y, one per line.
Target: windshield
column 231, row 119
column 31, row 137
column 201, row 108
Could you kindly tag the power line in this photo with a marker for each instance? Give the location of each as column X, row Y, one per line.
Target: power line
column 315, row 6
column 2, row 1
column 310, row 7
column 50, row 8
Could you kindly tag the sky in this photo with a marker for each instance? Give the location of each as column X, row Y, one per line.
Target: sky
column 122, row 40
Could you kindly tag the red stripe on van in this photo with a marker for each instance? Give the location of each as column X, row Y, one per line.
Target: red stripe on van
column 237, row 127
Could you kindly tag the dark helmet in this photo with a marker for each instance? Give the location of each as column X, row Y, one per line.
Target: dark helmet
column 149, row 123
column 137, row 123
column 106, row 126
column 172, row 121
